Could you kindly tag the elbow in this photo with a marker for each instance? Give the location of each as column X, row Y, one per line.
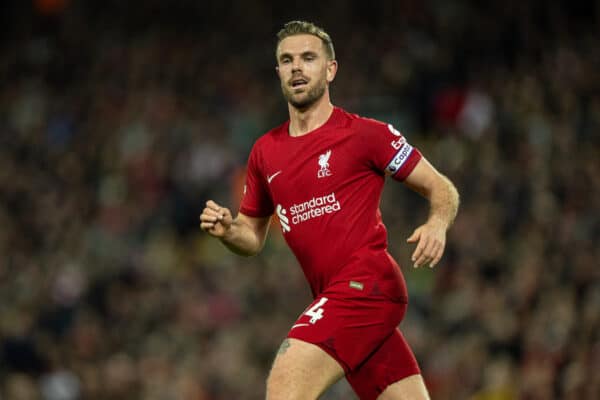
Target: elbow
column 442, row 187
column 455, row 194
column 449, row 187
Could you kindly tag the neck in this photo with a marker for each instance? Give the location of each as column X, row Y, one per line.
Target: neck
column 303, row 121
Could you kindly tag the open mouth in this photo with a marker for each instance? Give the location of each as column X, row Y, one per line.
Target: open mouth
column 296, row 83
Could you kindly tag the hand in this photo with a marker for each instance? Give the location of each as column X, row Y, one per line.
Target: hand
column 215, row 220
column 431, row 238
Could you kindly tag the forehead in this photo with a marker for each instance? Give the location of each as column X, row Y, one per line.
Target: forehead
column 301, row 43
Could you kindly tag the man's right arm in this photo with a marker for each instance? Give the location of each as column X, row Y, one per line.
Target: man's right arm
column 243, row 235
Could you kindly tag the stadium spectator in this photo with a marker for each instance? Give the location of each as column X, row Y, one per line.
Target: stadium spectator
column 109, row 290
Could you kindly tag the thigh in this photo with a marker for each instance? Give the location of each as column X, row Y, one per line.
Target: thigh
column 382, row 373
column 301, row 371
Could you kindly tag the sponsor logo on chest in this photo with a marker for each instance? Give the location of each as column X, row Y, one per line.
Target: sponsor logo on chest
column 301, row 212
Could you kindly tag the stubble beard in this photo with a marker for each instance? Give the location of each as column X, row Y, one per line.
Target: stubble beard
column 306, row 99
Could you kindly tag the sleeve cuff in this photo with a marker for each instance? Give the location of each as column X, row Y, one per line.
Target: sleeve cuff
column 250, row 212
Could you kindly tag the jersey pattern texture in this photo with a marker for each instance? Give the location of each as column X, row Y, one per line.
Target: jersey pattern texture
column 325, row 188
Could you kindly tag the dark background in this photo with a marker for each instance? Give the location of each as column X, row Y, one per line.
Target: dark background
column 119, row 119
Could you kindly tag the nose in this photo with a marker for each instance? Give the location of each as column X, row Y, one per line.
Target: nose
column 296, row 65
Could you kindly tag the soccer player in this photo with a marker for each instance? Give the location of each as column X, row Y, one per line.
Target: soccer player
column 322, row 172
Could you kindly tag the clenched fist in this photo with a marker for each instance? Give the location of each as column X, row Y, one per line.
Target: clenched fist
column 215, row 220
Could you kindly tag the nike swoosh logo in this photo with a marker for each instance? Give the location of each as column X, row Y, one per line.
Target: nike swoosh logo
column 270, row 178
column 298, row 325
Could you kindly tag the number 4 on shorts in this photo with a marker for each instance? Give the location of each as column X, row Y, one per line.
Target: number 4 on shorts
column 316, row 312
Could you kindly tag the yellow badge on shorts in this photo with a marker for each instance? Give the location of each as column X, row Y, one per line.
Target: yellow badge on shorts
column 356, row 285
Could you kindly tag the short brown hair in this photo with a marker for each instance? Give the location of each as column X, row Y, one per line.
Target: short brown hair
column 302, row 27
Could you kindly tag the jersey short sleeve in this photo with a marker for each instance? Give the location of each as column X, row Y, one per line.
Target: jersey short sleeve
column 388, row 150
column 256, row 201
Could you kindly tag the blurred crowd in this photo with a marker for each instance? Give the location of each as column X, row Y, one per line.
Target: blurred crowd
column 119, row 119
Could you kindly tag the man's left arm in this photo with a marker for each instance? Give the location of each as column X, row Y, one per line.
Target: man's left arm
column 443, row 201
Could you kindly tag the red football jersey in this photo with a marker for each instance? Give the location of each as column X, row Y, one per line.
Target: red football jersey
column 325, row 187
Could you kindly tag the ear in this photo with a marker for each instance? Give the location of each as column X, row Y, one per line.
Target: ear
column 277, row 70
column 332, row 67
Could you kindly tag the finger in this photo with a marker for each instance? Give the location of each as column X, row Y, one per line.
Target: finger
column 415, row 236
column 219, row 214
column 438, row 255
column 427, row 253
column 209, row 217
column 227, row 218
column 206, row 226
column 213, row 206
column 214, row 213
column 423, row 260
column 419, row 251
column 223, row 215
column 434, row 262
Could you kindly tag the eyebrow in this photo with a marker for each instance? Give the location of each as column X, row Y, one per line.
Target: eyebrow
column 303, row 54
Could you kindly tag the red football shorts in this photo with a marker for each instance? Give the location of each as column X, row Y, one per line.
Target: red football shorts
column 356, row 324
